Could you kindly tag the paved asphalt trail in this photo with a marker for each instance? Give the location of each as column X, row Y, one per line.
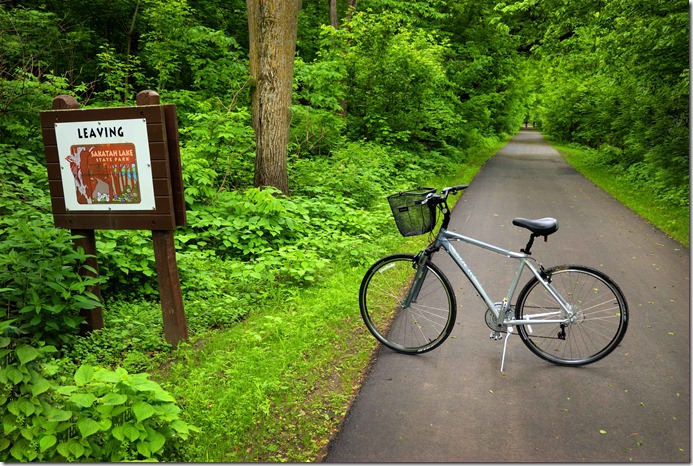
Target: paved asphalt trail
column 454, row 405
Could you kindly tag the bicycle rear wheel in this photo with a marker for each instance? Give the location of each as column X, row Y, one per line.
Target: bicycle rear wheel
column 419, row 327
column 599, row 322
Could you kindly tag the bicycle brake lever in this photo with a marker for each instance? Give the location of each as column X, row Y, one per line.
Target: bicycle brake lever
column 427, row 198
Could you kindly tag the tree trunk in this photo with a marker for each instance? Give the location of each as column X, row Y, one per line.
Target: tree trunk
column 272, row 27
column 334, row 19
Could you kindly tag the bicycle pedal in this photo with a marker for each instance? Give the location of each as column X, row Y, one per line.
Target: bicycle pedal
column 496, row 336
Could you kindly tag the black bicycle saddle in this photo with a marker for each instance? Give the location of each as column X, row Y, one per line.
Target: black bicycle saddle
column 539, row 227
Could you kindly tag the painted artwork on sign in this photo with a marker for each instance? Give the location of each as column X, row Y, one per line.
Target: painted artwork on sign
column 105, row 165
column 105, row 173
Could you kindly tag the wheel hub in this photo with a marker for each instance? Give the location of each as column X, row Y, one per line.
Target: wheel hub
column 578, row 316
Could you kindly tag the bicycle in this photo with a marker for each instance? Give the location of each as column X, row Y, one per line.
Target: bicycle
column 569, row 315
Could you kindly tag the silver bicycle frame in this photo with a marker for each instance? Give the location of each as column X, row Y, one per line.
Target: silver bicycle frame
column 444, row 239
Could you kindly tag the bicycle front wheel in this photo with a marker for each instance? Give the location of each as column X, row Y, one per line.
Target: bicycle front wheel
column 596, row 326
column 412, row 328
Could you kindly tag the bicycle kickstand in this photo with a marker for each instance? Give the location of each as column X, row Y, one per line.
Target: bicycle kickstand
column 505, row 346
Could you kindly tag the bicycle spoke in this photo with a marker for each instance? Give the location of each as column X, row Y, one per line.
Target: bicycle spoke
column 594, row 326
column 422, row 325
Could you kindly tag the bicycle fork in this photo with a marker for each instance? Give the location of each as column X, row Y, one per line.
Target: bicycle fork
column 419, row 277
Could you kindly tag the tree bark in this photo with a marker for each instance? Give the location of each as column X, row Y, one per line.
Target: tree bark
column 334, row 19
column 272, row 28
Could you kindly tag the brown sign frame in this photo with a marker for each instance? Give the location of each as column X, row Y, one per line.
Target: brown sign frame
column 162, row 132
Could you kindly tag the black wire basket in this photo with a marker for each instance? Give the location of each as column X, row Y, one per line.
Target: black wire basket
column 411, row 216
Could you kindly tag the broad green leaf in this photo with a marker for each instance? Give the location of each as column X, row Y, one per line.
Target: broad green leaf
column 179, row 426
column 131, row 432
column 87, row 427
column 48, row 349
column 84, row 400
column 118, row 433
column 19, row 449
column 163, row 396
column 27, row 433
column 113, row 399
column 104, row 409
column 75, row 448
column 13, row 374
column 26, row 406
column 107, row 376
column 65, row 389
column 84, row 374
column 26, row 353
column 8, row 426
column 64, row 450
column 47, row 441
column 167, row 410
column 105, row 424
column 58, row 415
column 4, row 443
column 142, row 410
column 144, row 385
column 119, row 410
column 143, row 448
column 40, row 386
column 156, row 441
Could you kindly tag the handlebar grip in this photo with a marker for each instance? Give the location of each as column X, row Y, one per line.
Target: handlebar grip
column 455, row 189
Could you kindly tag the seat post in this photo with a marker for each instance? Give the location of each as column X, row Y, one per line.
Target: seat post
column 528, row 248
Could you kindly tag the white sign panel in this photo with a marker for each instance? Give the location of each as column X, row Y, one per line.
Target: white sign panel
column 105, row 165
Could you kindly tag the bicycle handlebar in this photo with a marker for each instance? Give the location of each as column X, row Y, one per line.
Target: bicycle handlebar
column 443, row 196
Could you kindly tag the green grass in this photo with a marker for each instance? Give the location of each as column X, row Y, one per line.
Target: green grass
column 673, row 220
column 277, row 386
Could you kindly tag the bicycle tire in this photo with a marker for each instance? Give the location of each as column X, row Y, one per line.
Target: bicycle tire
column 422, row 326
column 599, row 325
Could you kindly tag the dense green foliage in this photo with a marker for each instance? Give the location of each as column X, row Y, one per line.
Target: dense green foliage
column 613, row 75
column 402, row 93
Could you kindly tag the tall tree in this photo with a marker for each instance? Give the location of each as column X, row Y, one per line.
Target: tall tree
column 272, row 28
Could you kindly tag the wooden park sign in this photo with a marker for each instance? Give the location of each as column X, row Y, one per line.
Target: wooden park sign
column 119, row 169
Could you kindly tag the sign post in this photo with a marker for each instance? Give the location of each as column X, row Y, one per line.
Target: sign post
column 119, row 168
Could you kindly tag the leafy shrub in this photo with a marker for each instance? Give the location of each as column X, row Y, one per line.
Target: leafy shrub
column 243, row 225
column 342, row 231
column 130, row 326
column 117, row 73
column 105, row 416
column 318, row 121
column 398, row 87
column 42, row 291
column 28, row 426
column 24, row 187
column 366, row 172
column 217, row 151
column 126, row 260
column 315, row 132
